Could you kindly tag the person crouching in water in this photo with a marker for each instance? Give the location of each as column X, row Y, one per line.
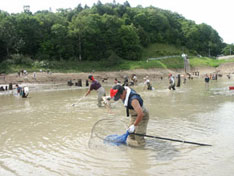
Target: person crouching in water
column 147, row 84
column 139, row 114
column 171, row 82
column 95, row 85
column 24, row 92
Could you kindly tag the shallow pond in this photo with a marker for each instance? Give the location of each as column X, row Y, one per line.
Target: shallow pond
column 45, row 135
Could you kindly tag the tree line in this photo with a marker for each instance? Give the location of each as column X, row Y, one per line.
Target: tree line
column 97, row 32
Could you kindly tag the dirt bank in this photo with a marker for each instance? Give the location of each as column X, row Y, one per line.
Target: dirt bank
column 43, row 77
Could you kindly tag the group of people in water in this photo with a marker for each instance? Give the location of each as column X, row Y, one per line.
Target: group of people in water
column 132, row 101
column 22, row 91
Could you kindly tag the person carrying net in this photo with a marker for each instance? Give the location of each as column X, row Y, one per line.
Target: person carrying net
column 139, row 114
column 95, row 85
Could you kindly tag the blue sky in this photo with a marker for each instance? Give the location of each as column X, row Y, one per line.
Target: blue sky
column 216, row 13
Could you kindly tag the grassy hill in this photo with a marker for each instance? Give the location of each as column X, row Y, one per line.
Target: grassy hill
column 158, row 50
column 114, row 63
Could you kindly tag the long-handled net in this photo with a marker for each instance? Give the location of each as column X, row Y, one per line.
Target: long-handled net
column 106, row 132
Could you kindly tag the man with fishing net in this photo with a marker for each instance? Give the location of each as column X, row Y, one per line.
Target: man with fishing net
column 139, row 114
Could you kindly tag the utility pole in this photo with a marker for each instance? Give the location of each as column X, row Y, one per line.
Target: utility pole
column 209, row 52
column 230, row 50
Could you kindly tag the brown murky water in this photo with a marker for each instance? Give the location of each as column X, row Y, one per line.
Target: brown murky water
column 45, row 135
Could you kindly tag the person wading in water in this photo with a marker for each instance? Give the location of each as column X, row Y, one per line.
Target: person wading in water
column 171, row 82
column 95, row 85
column 147, row 84
column 22, row 91
column 139, row 114
column 207, row 80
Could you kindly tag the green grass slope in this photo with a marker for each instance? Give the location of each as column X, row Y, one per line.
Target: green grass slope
column 115, row 64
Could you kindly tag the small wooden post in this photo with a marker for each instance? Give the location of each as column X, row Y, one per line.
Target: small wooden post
column 79, row 82
column 178, row 82
column 69, row 83
column 10, row 86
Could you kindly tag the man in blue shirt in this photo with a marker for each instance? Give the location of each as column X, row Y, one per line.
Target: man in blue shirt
column 18, row 89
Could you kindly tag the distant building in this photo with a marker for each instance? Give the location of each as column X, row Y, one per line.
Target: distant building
column 26, row 8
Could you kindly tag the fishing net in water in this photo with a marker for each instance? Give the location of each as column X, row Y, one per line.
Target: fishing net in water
column 106, row 132
column 115, row 139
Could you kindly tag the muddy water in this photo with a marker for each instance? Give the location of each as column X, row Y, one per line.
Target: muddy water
column 45, row 135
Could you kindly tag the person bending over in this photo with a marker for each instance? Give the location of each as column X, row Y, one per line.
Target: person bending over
column 95, row 85
column 139, row 114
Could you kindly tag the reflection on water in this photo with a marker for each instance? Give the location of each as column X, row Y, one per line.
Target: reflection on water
column 45, row 135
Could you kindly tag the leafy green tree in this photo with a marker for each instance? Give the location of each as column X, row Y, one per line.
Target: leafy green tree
column 110, row 33
column 3, row 50
column 92, row 33
column 143, row 36
column 141, row 19
column 209, row 40
column 47, row 20
column 59, row 41
column 93, row 43
column 228, row 50
column 102, row 9
column 76, row 31
column 129, row 42
column 158, row 25
column 8, row 34
column 28, row 29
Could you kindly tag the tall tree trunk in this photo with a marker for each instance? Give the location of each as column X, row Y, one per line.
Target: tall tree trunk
column 80, row 58
column 7, row 49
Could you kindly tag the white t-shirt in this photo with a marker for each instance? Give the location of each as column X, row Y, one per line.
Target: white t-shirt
column 172, row 81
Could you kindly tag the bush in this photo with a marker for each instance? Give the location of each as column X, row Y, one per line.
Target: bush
column 20, row 59
column 4, row 66
column 41, row 64
column 112, row 60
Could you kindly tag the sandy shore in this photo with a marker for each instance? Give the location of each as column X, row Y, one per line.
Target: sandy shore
column 54, row 78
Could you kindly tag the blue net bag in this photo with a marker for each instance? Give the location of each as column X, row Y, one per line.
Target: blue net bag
column 115, row 139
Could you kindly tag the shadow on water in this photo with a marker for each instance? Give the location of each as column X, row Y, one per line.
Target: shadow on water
column 161, row 150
